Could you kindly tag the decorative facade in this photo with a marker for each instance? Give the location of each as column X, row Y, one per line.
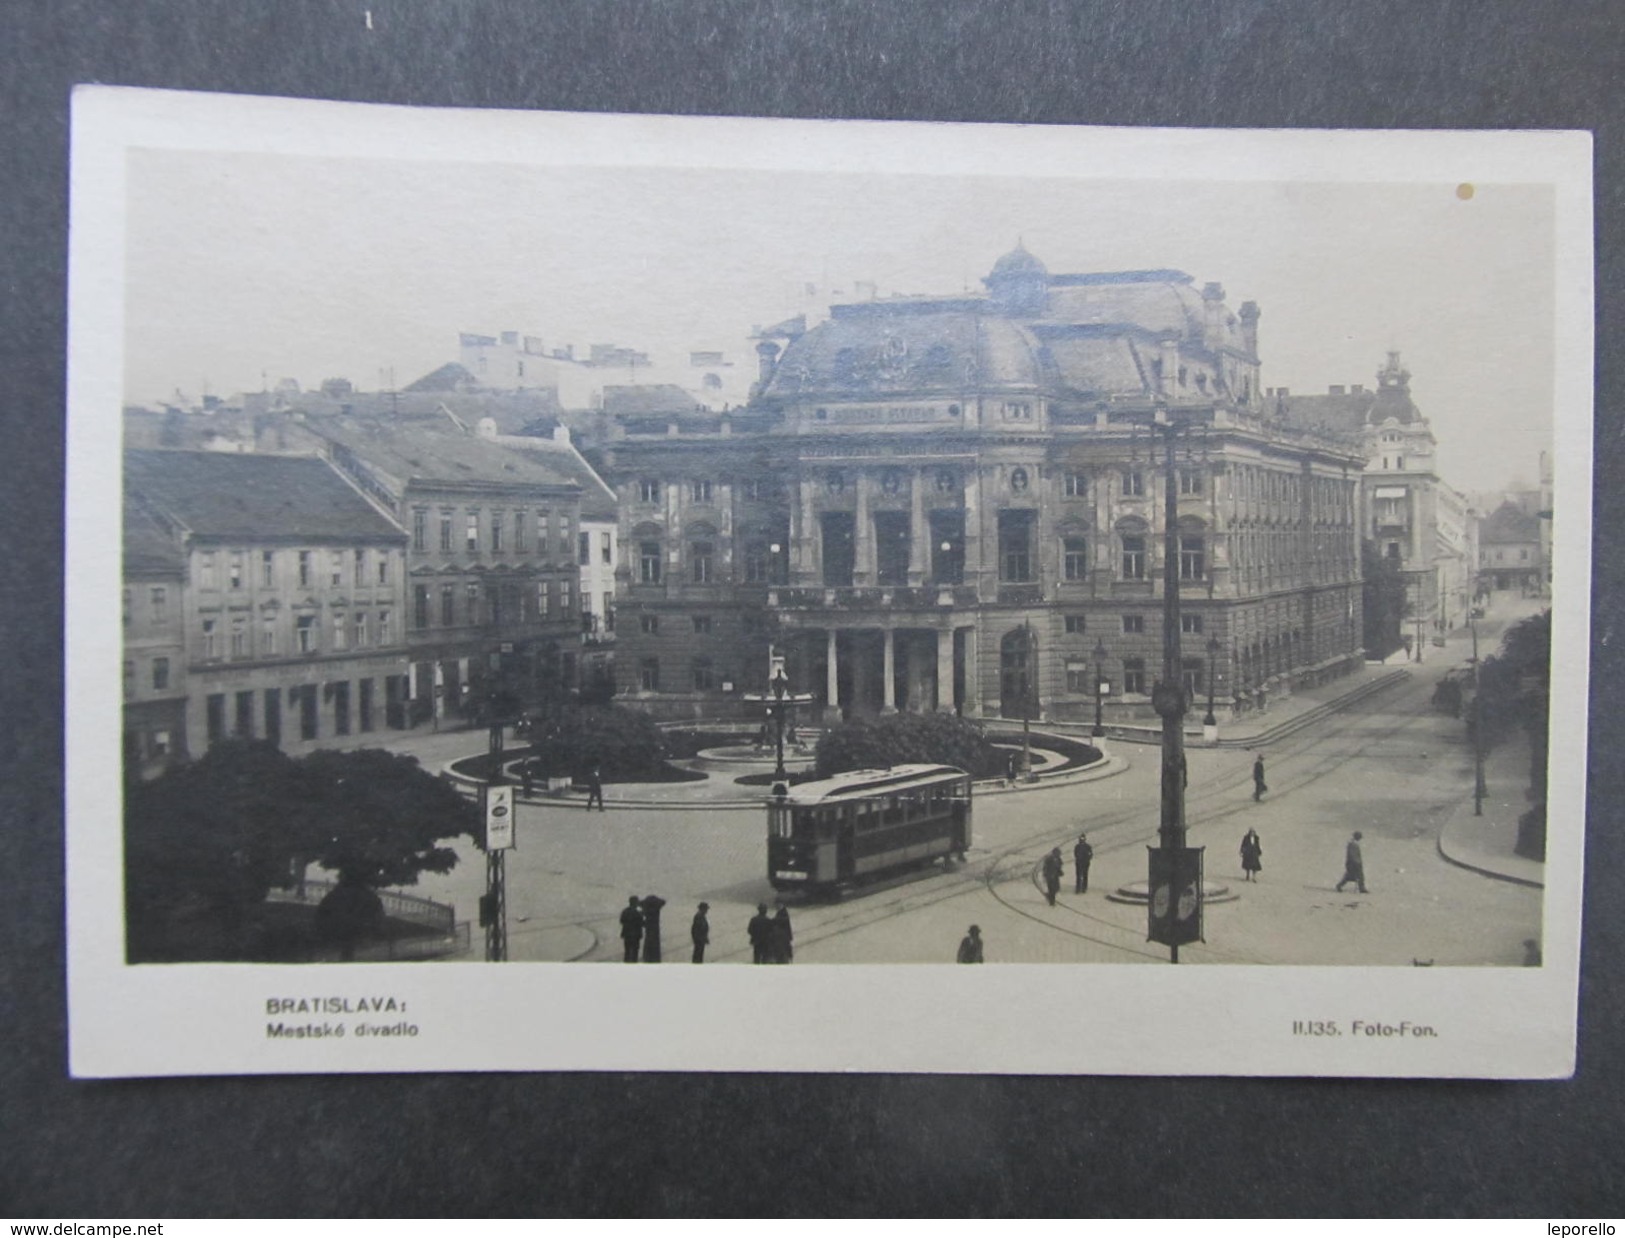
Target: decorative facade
column 956, row 504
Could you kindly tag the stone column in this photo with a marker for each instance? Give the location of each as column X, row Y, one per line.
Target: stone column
column 831, row 673
column 973, row 676
column 888, row 674
column 945, row 670
column 919, row 530
column 863, row 535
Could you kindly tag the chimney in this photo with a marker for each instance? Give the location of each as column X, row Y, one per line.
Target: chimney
column 767, row 354
column 1213, row 316
column 1170, row 365
column 1249, row 327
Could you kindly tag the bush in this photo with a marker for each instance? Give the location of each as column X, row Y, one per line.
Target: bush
column 909, row 739
column 625, row 744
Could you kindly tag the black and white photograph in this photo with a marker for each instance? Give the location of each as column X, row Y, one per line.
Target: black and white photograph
column 1152, row 565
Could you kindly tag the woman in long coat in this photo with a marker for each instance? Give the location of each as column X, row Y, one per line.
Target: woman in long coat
column 1252, row 854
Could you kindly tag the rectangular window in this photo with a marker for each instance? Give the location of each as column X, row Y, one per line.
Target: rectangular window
column 649, row 563
column 471, row 536
column 649, row 674
column 1192, row 677
column 420, row 606
column 544, row 530
column 839, row 547
column 471, row 602
column 1190, row 481
column 892, row 547
column 1075, row 558
column 1015, row 545
column 445, row 532
column 1134, row 676
column 649, row 625
column 211, row 639
column 699, row 491
column 756, row 564
column 384, row 633
column 267, row 568
column 383, row 567
column 648, row 490
column 702, row 625
column 544, row 599
column 493, row 604
column 244, row 728
column 1133, row 558
column 606, row 548
column 584, row 549
column 239, row 636
column 216, row 717
column 305, row 633
column 519, row 532
column 234, row 570
column 361, row 629
column 159, row 600
column 703, row 681
column 1190, row 624
column 1018, row 410
column 1075, row 485
column 304, row 569
column 448, row 606
column 359, row 575
column 268, row 637
column 699, row 562
column 565, row 540
column 609, row 612
column 499, row 522
column 1075, row 625
column 567, row 597
column 1133, row 483
column 160, row 674
column 1192, row 558
column 341, row 632
column 335, row 573
column 206, row 571
column 420, row 529
column 364, row 709
column 1133, row 625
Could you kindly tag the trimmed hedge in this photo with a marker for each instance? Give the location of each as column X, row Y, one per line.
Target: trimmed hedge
column 909, row 739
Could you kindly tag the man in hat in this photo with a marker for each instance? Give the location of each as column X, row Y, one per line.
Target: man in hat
column 1353, row 865
column 1082, row 856
column 970, row 949
column 631, row 929
column 1258, row 777
column 651, row 927
column 761, row 931
column 700, row 931
column 1052, row 875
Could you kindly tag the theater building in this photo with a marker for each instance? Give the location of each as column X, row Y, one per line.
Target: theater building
column 956, row 504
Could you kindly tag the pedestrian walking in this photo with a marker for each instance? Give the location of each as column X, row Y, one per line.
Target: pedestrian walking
column 631, row 930
column 760, row 931
column 1259, row 786
column 1252, row 854
column 595, row 788
column 1052, row 875
column 527, row 780
column 700, row 932
column 1353, row 865
column 783, row 940
column 1082, row 856
column 970, row 947
column 651, row 927
column 1010, row 769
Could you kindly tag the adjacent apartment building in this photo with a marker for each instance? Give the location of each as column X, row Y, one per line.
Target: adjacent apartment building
column 288, row 589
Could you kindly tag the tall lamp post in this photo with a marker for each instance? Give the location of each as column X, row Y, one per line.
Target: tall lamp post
column 1210, row 720
column 1099, row 731
column 1029, row 657
column 1478, row 730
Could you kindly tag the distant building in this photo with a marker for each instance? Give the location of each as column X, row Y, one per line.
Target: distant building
column 708, row 375
column 492, row 589
column 1407, row 511
column 1510, row 550
column 291, row 616
column 154, row 645
column 949, row 503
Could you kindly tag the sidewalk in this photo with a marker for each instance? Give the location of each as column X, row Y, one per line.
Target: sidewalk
column 1485, row 844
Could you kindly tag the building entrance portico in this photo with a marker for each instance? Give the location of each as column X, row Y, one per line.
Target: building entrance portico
column 878, row 669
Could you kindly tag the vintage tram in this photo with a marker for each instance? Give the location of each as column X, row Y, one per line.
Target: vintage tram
column 843, row 830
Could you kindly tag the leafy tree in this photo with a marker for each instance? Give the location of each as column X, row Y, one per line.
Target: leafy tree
column 908, row 739
column 624, row 743
column 210, row 839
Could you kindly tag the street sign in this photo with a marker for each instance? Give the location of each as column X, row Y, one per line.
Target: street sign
column 498, row 806
column 1174, row 915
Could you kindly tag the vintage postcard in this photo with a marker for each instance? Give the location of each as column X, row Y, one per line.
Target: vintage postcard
column 964, row 598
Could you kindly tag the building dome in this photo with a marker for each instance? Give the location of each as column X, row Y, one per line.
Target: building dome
column 1018, row 262
column 1019, row 283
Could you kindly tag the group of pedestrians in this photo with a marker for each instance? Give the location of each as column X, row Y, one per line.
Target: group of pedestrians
column 771, row 939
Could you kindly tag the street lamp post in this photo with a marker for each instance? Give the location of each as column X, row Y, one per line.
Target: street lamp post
column 1210, row 720
column 1099, row 731
column 781, row 690
column 1030, row 656
column 1478, row 730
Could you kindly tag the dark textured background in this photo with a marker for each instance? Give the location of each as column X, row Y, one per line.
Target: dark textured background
column 670, row 1144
